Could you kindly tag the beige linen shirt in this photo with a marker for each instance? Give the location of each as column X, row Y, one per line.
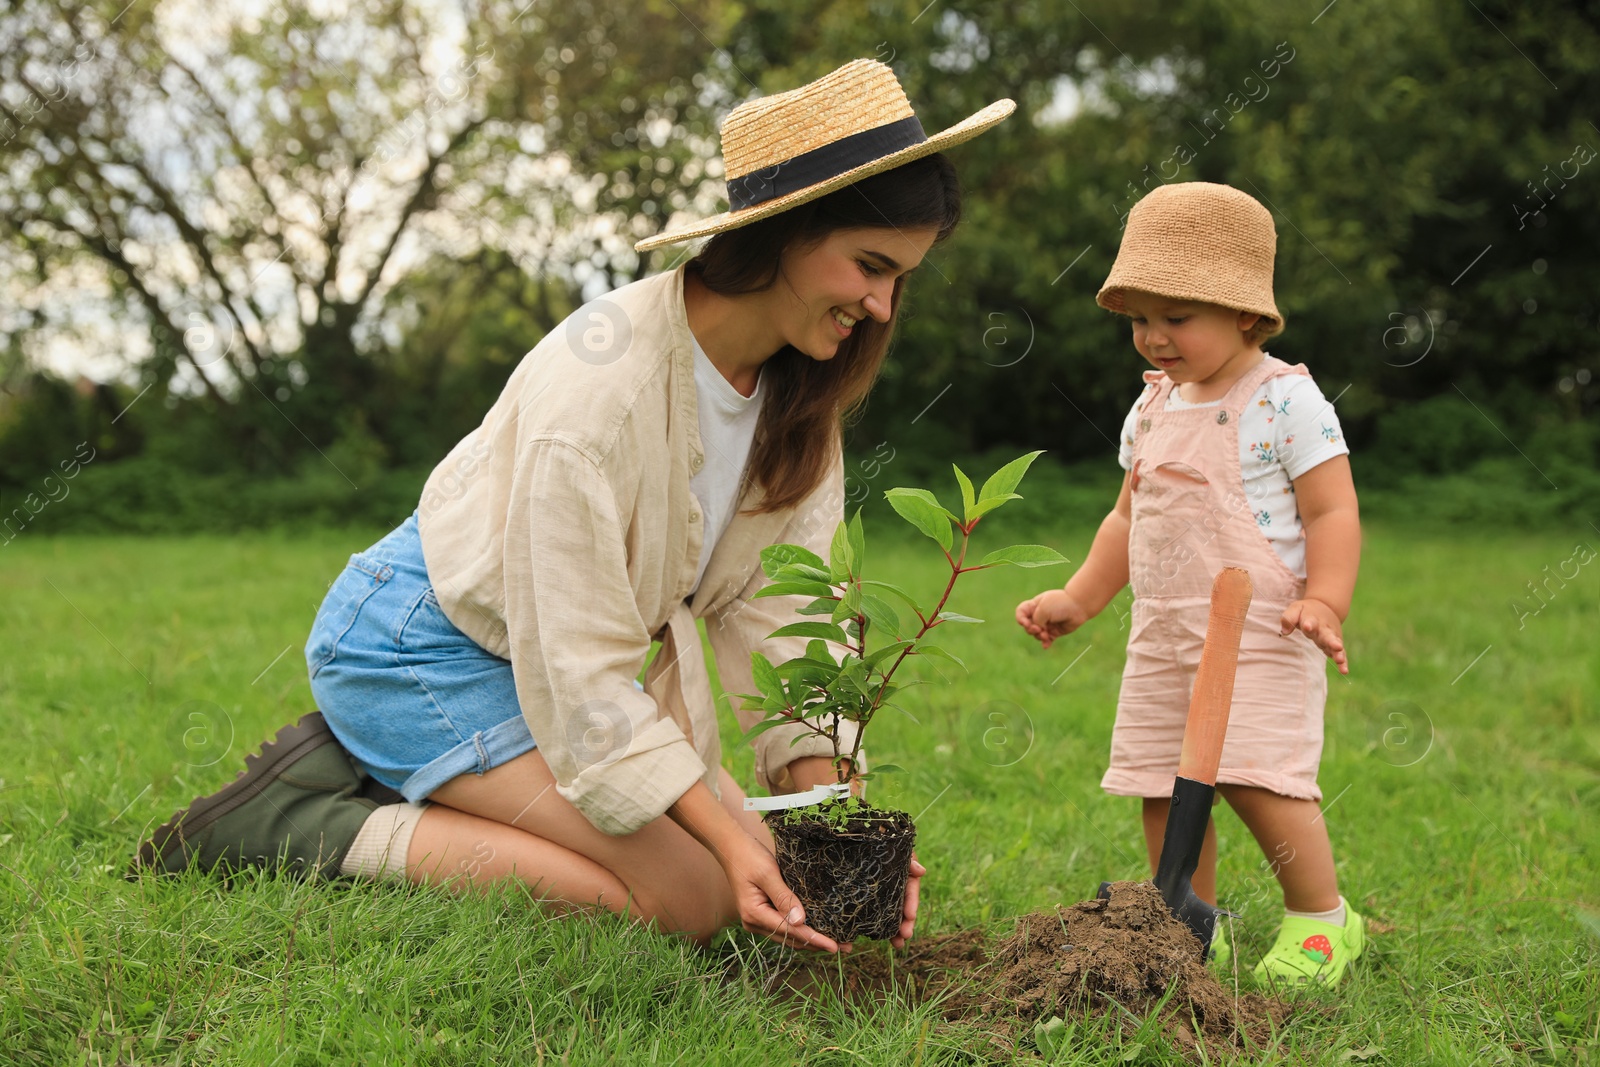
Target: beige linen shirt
column 562, row 535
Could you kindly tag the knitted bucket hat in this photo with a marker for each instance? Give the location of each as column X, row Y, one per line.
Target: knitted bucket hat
column 1198, row 241
column 782, row 150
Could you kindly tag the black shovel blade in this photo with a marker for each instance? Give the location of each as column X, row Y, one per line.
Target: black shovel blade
column 1180, row 855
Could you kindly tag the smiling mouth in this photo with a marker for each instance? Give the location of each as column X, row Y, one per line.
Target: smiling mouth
column 843, row 322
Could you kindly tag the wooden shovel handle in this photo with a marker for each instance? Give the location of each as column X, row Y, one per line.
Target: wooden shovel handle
column 1213, row 682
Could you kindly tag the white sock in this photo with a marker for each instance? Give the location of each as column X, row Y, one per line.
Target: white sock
column 1336, row 916
column 379, row 850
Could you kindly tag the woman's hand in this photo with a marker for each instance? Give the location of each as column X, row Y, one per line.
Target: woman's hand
column 810, row 771
column 767, row 906
column 1052, row 614
column 1319, row 622
column 913, row 896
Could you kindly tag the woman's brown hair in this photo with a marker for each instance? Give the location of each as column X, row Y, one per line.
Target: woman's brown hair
column 809, row 402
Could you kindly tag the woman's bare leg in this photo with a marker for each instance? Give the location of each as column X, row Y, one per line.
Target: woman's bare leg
column 467, row 852
column 511, row 821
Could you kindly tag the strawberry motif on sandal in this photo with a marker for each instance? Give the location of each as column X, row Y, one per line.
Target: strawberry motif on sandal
column 1318, row 949
column 1310, row 951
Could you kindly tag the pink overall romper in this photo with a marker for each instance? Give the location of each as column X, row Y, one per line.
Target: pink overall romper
column 1191, row 518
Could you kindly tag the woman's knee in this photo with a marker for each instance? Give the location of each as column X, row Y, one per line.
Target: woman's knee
column 688, row 902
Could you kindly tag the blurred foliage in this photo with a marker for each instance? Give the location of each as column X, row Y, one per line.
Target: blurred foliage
column 1431, row 167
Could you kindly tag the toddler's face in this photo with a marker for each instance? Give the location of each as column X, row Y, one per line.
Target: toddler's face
column 1191, row 341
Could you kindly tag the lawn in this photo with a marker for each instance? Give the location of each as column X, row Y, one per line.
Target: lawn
column 1461, row 776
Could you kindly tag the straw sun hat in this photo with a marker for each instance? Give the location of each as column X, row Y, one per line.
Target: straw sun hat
column 782, row 150
column 1197, row 241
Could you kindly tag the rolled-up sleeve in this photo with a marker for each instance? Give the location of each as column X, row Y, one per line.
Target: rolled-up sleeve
column 742, row 626
column 577, row 641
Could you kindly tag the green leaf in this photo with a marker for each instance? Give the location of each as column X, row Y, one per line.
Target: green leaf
column 858, row 545
column 894, row 589
column 840, row 565
column 825, row 630
column 1024, row 556
column 983, row 507
column 794, row 589
column 950, row 616
column 925, row 495
column 813, row 671
column 855, row 675
column 849, row 604
column 920, row 509
column 938, row 653
column 823, row 605
column 1005, row 480
column 802, row 572
column 967, row 499
column 888, row 768
column 878, row 655
column 819, row 651
column 762, row 727
column 776, row 556
column 828, row 707
column 880, row 614
column 766, row 675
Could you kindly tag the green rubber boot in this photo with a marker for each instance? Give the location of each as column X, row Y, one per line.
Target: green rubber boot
column 296, row 807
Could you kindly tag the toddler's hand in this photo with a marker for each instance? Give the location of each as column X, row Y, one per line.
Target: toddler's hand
column 1318, row 622
column 1052, row 614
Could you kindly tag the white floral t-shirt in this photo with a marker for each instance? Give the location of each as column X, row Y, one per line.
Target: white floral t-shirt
column 1287, row 428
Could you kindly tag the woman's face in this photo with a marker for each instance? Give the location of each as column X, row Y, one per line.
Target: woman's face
column 823, row 291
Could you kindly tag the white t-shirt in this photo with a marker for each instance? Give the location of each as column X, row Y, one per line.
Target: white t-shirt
column 727, row 428
column 1286, row 428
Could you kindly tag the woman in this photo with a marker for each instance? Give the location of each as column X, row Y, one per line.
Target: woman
column 484, row 655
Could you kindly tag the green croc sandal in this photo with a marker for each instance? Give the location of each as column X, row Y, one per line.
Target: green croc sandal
column 1308, row 950
column 1221, row 957
column 296, row 807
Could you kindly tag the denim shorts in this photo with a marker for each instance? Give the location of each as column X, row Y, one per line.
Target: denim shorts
column 414, row 700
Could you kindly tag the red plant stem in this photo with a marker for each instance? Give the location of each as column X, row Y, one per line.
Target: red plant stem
column 955, row 572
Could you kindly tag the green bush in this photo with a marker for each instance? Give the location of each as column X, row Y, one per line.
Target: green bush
column 142, row 495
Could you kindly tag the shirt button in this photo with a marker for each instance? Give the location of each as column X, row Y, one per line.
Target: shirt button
column 697, row 462
column 1222, row 418
column 1144, row 424
column 694, row 516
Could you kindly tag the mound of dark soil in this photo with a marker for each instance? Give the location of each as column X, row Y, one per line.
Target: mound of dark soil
column 1116, row 958
column 1121, row 957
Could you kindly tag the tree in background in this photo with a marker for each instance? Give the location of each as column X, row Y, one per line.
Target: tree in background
column 1430, row 167
column 1395, row 145
column 243, row 204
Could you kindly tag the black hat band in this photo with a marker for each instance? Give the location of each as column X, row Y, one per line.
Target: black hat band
column 820, row 164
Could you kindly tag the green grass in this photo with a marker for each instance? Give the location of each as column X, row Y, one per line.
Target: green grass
column 1462, row 765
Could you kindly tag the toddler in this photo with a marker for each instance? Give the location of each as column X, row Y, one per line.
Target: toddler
column 1233, row 458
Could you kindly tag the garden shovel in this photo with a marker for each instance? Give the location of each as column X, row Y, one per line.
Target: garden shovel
column 1196, row 784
